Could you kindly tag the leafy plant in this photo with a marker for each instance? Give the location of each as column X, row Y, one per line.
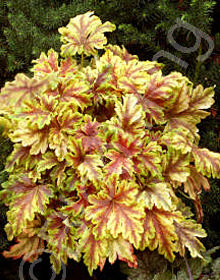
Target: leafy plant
column 152, row 266
column 104, row 147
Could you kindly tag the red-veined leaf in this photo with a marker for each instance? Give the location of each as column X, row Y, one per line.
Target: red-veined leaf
column 115, row 209
column 84, row 34
column 159, row 232
column 187, row 232
column 207, row 162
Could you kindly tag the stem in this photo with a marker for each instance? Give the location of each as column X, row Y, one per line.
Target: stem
column 82, row 60
column 188, row 269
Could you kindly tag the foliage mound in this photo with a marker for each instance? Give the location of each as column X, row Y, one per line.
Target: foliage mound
column 103, row 146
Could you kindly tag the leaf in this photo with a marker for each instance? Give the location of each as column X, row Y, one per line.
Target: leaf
column 206, row 162
column 29, row 245
column 159, row 232
column 94, row 250
column 62, row 235
column 50, row 161
column 195, row 182
column 130, row 115
column 75, row 92
column 176, row 166
column 89, row 166
column 179, row 139
column 31, row 136
column 39, row 110
column 22, row 88
column 121, row 249
column 63, row 125
column 184, row 111
column 200, row 98
column 156, row 194
column 187, row 232
column 149, row 159
column 89, row 169
column 46, row 63
column 28, row 198
column 122, row 158
column 88, row 133
column 84, row 34
column 115, row 209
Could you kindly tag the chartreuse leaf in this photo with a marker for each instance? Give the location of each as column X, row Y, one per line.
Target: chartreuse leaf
column 148, row 160
column 200, row 98
column 130, row 115
column 28, row 198
column 39, row 110
column 176, row 166
column 187, row 232
column 121, row 156
column 21, row 89
column 115, row 209
column 31, row 136
column 157, row 194
column 121, row 249
column 159, row 232
column 29, row 245
column 46, row 63
column 88, row 165
column 206, row 162
column 195, row 182
column 61, row 237
column 84, row 34
column 94, row 250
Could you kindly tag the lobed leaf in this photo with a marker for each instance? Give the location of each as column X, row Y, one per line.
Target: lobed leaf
column 115, row 209
column 84, row 34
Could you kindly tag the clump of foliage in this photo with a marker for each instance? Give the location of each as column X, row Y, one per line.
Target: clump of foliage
column 152, row 266
column 103, row 145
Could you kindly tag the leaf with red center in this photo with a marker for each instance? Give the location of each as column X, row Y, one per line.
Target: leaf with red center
column 184, row 110
column 115, row 209
column 159, row 232
column 89, row 166
column 61, row 127
column 76, row 92
column 157, row 91
column 149, row 159
column 29, row 245
column 46, row 63
column 28, row 198
column 39, row 110
column 84, row 34
column 31, row 136
column 68, row 66
column 89, row 135
column 156, row 194
column 62, row 232
column 130, row 115
column 78, row 206
column 100, row 88
column 176, row 166
column 187, row 232
column 50, row 161
column 121, row 249
column 206, row 162
column 195, row 182
column 123, row 157
column 121, row 52
column 21, row 89
column 61, row 235
column 94, row 250
column 21, row 156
